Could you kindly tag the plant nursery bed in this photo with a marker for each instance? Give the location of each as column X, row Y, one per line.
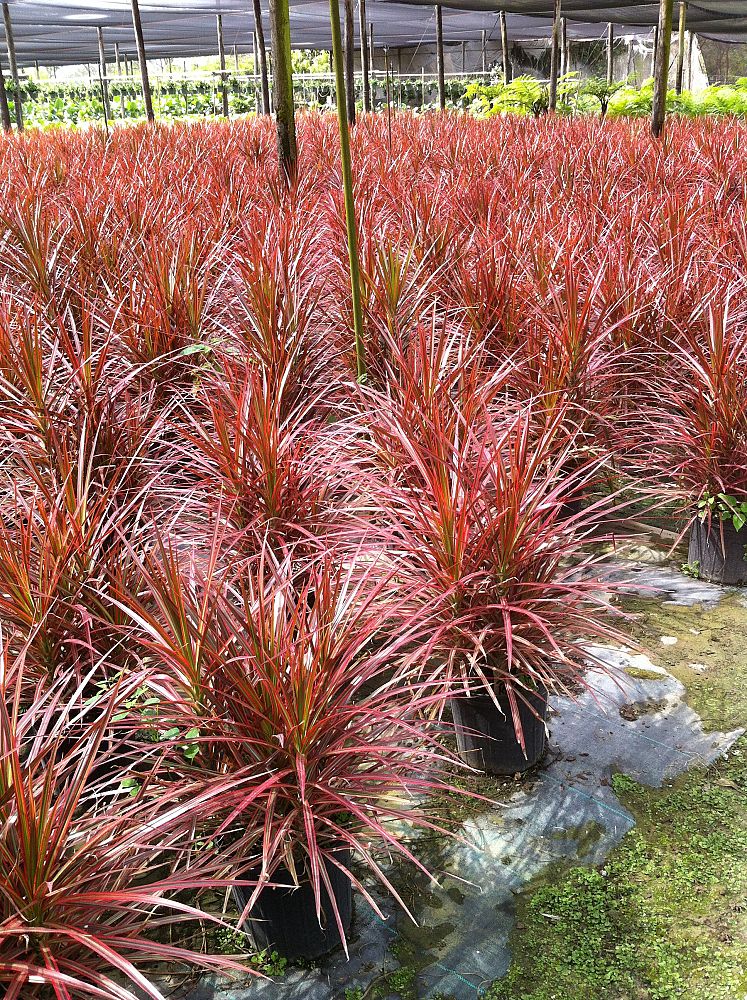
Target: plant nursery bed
column 289, row 529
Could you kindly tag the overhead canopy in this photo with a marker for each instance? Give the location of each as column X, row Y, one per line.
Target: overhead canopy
column 63, row 32
column 725, row 19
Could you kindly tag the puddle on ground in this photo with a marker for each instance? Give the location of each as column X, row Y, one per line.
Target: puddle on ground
column 661, row 709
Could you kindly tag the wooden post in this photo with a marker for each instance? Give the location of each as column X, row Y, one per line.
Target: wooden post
column 261, row 52
column 681, row 46
column 371, row 53
column 4, row 108
column 236, row 59
column 141, row 58
column 661, row 67
column 504, row 49
column 440, row 58
column 222, row 61
column 13, row 63
column 347, row 185
column 364, row 55
column 282, row 79
column 610, row 54
column 349, row 59
column 555, row 57
column 484, row 42
column 102, row 72
column 36, row 70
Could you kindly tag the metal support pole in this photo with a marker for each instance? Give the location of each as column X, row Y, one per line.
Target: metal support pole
column 118, row 63
column 137, row 24
column 564, row 66
column 661, row 67
column 555, row 57
column 13, row 63
column 610, row 54
column 222, row 61
column 681, row 46
column 282, row 79
column 504, row 49
column 689, row 60
column 260, row 51
column 102, row 72
column 440, row 59
column 364, row 55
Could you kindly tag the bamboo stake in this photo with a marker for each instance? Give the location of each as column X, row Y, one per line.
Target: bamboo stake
column 13, row 64
column 610, row 53
column 282, row 79
column 260, row 52
column 137, row 24
column 661, row 67
column 349, row 55
column 347, row 185
column 222, row 60
column 440, row 58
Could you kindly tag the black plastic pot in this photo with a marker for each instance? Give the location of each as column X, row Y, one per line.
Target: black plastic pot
column 718, row 549
column 487, row 740
column 284, row 919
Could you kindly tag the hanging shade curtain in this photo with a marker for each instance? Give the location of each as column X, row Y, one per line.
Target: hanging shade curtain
column 63, row 32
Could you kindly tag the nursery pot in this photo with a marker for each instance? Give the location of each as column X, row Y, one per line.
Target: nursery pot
column 719, row 551
column 284, row 919
column 486, row 738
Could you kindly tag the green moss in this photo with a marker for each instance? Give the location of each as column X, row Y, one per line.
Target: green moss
column 586, row 836
column 709, row 657
column 665, row 918
column 641, row 674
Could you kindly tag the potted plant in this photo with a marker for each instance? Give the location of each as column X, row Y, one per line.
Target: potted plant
column 693, row 437
column 477, row 510
column 310, row 723
column 88, row 875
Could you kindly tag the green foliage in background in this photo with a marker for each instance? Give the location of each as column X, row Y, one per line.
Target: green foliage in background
column 54, row 103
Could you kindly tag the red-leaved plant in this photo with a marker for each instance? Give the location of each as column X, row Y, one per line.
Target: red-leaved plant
column 90, row 878
column 301, row 684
